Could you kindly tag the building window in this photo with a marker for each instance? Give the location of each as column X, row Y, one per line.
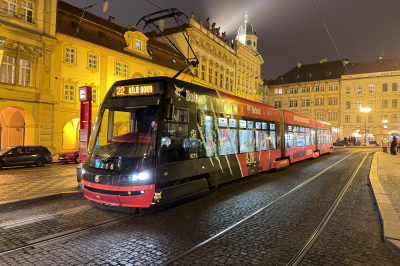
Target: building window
column 7, row 69
column 322, row 89
column 394, row 86
column 394, row 118
column 394, row 103
column 303, row 103
column 335, row 87
column 296, row 89
column 239, row 79
column 384, row 117
column 330, row 116
column 331, row 87
column 25, row 70
column 196, row 71
column 139, row 45
column 321, row 116
column 121, row 69
column 303, row 89
column 203, row 72
column 94, row 96
column 210, row 75
column 371, row 104
column 93, row 61
column 359, row 104
column 152, row 73
column 291, row 104
column 371, row 87
column 278, row 104
column 347, row 104
column 9, row 7
column 359, row 88
column 26, row 11
column 291, row 91
column 216, row 78
column 69, row 93
column 370, row 118
column 319, row 102
column 316, row 87
column 358, row 118
column 231, row 84
column 384, row 103
column 348, row 89
column 335, row 101
column 335, row 116
column 308, row 102
column 308, row 88
column 347, row 118
column 384, row 87
column 221, row 80
column 70, row 55
column 226, row 83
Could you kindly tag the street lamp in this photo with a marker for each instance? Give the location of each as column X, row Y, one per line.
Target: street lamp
column 365, row 111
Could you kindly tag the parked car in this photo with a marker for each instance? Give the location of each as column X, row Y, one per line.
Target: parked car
column 25, row 155
column 69, row 156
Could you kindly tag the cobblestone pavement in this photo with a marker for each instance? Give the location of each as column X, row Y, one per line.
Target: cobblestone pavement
column 270, row 238
column 20, row 182
column 389, row 176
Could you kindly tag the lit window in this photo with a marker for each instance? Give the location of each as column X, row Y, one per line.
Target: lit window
column 69, row 93
column 25, row 70
column 7, row 69
column 331, row 87
column 371, row 87
column 359, row 104
column 394, row 86
column 348, row 89
column 122, row 69
column 93, row 61
column 139, row 45
column 322, row 89
column 125, row 70
column 26, row 11
column 118, row 68
column 359, row 88
column 9, row 7
column 335, row 87
column 94, row 96
column 70, row 55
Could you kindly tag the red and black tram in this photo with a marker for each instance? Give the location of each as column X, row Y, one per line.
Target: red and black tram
column 158, row 141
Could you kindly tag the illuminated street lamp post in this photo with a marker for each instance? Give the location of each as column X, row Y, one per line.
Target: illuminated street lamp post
column 384, row 136
column 365, row 111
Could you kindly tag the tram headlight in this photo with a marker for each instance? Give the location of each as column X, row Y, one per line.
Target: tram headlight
column 143, row 176
column 134, row 177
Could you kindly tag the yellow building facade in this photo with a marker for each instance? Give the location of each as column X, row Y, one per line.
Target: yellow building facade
column 26, row 84
column 233, row 66
column 312, row 90
column 375, row 85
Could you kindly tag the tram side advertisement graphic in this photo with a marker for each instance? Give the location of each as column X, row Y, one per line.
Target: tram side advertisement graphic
column 160, row 141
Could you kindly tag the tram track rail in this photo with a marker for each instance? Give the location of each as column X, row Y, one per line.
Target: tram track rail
column 296, row 260
column 66, row 234
column 176, row 258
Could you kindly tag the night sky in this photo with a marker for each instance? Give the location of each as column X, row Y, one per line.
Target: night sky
column 289, row 31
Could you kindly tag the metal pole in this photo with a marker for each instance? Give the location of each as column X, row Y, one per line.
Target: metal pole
column 365, row 137
column 23, row 140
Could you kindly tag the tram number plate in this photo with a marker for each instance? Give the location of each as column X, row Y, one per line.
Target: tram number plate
column 99, row 164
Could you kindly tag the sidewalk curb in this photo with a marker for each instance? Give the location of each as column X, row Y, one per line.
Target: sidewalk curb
column 19, row 203
column 388, row 216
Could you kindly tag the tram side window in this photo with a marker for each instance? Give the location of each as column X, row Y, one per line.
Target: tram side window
column 246, row 138
column 289, row 137
column 307, row 136
column 227, row 138
column 261, row 140
column 272, row 136
column 300, row 139
column 175, row 141
column 312, row 136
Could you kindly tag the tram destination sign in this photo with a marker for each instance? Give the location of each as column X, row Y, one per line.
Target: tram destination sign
column 135, row 90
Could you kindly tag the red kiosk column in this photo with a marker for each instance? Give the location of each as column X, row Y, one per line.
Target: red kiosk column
column 85, row 97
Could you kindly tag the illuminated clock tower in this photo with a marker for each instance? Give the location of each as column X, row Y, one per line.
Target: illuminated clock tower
column 247, row 34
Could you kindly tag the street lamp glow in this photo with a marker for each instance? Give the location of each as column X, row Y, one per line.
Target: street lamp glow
column 365, row 110
column 384, row 121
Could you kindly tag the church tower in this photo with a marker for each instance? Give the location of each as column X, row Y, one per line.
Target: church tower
column 247, row 34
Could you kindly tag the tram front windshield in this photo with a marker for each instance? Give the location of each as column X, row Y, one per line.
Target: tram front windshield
column 125, row 130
